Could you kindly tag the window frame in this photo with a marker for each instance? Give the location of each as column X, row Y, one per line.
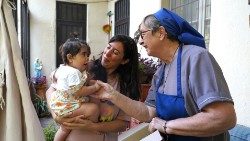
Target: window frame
column 204, row 8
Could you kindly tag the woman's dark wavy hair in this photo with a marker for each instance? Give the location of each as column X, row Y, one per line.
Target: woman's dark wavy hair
column 128, row 73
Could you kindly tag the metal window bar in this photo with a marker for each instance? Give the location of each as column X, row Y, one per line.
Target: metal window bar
column 202, row 22
column 25, row 37
column 122, row 14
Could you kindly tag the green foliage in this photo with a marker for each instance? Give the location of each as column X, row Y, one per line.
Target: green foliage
column 50, row 131
column 40, row 106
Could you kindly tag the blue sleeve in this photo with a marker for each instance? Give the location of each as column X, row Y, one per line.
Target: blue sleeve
column 206, row 81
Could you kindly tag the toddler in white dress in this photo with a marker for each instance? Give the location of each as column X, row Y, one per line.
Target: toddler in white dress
column 72, row 88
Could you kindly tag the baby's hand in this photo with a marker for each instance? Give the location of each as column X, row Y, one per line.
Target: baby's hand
column 91, row 82
column 97, row 86
column 105, row 92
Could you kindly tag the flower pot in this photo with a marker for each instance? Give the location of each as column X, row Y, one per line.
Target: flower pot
column 144, row 91
column 41, row 90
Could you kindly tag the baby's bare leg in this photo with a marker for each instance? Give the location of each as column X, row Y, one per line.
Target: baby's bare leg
column 61, row 134
column 89, row 110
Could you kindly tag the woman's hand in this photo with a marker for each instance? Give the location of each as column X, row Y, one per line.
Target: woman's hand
column 61, row 120
column 157, row 124
column 80, row 122
column 105, row 92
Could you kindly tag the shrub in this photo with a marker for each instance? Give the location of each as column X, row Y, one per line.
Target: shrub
column 40, row 106
column 50, row 131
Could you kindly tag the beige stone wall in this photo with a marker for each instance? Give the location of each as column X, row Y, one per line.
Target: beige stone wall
column 43, row 29
column 230, row 45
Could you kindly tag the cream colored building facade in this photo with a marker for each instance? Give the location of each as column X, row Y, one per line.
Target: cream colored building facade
column 229, row 38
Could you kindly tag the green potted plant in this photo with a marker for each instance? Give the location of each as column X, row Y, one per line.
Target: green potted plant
column 40, row 106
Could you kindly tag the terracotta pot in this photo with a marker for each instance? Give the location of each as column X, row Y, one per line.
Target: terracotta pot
column 41, row 90
column 144, row 91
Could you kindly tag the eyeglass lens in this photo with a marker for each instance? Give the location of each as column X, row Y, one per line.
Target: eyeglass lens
column 141, row 32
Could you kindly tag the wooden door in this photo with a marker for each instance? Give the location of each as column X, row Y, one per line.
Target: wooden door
column 70, row 17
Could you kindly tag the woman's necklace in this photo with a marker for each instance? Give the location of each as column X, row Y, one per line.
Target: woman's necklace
column 171, row 58
column 166, row 73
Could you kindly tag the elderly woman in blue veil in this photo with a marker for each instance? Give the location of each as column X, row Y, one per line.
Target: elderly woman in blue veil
column 189, row 99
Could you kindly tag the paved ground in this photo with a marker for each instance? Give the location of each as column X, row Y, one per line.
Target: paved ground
column 46, row 121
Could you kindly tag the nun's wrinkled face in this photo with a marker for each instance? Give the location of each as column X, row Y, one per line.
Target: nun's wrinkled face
column 149, row 40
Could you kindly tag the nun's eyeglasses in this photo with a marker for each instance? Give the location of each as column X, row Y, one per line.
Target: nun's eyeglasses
column 139, row 34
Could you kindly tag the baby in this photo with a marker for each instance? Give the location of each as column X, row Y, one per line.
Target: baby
column 72, row 88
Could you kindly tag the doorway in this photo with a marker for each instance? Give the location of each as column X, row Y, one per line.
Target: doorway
column 70, row 17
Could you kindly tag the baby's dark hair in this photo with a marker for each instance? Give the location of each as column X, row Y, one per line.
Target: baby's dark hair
column 72, row 46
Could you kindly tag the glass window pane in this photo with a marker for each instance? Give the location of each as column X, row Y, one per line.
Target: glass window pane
column 208, row 9
column 193, row 0
column 178, row 3
column 207, row 29
column 208, row 2
column 182, row 12
column 173, row 5
column 183, row 2
column 188, row 13
column 191, row 11
column 194, row 25
column 207, row 32
column 207, row 22
column 195, row 11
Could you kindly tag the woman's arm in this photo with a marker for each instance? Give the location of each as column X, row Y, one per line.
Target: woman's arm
column 214, row 119
column 116, row 125
column 131, row 107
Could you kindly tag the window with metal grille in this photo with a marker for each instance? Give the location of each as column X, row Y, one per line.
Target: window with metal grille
column 24, row 29
column 197, row 13
column 122, row 14
column 25, row 36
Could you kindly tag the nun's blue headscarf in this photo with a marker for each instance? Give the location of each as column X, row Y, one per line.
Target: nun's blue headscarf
column 179, row 28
